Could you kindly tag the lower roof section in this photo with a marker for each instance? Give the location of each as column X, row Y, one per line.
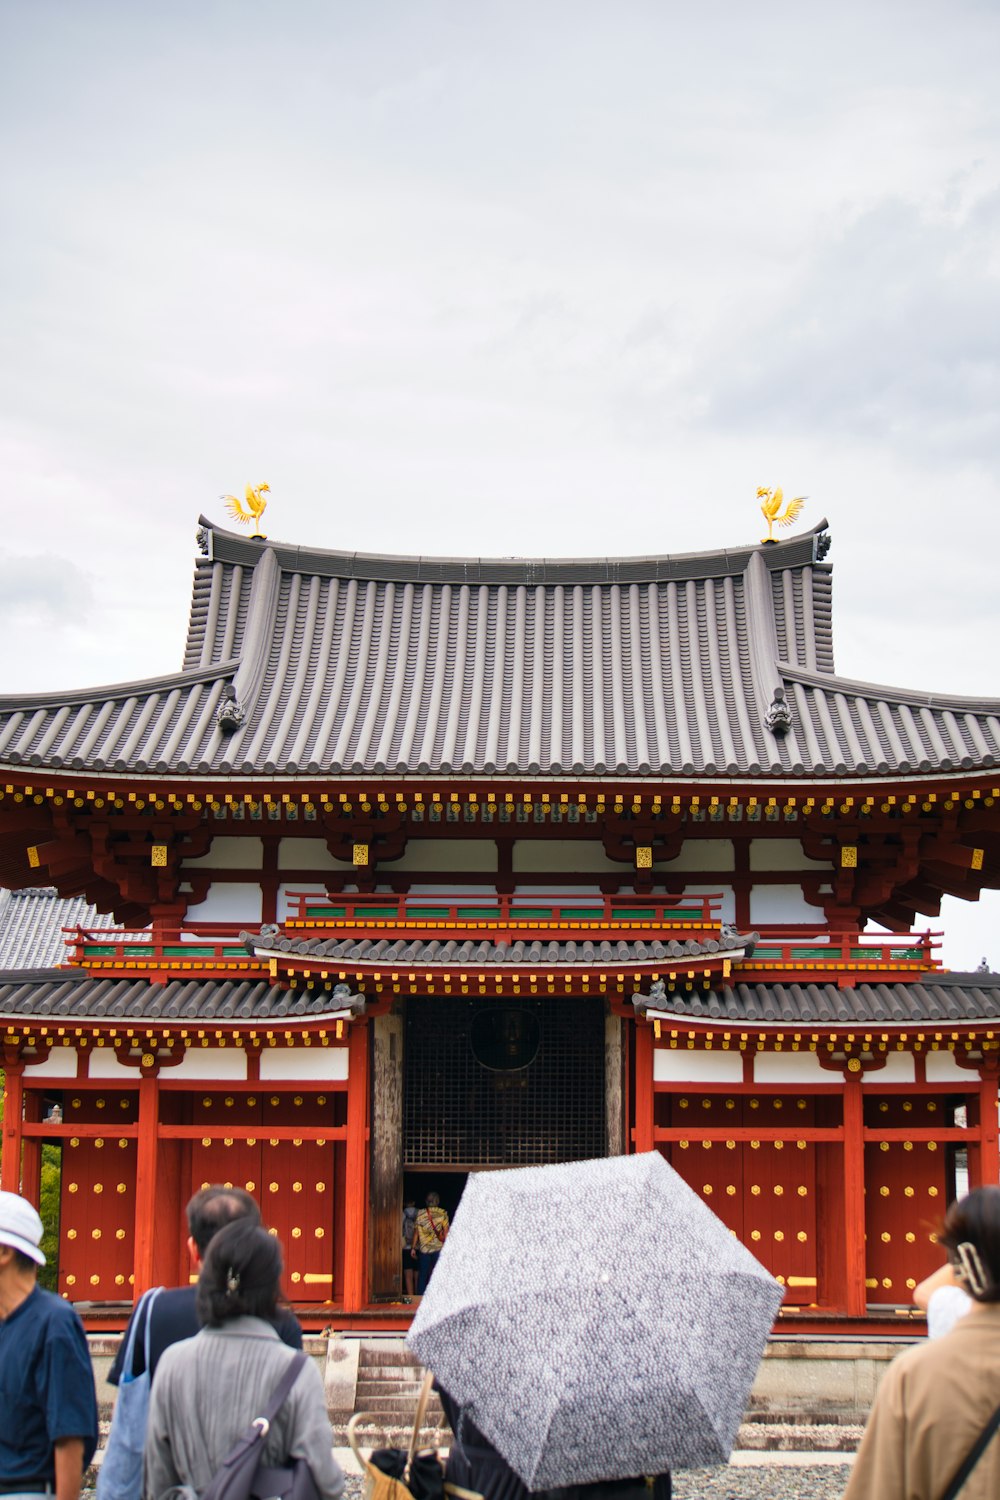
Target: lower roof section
column 41, row 996
column 951, row 999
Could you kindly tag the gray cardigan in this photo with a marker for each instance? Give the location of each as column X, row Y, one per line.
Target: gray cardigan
column 209, row 1388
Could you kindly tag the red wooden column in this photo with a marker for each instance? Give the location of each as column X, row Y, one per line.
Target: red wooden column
column 642, row 1130
column 148, row 1223
column 13, row 1111
column 989, row 1135
column 356, row 1186
column 854, row 1198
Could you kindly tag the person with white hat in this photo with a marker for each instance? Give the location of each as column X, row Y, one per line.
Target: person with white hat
column 48, row 1405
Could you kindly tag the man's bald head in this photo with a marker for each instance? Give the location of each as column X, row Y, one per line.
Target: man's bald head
column 215, row 1206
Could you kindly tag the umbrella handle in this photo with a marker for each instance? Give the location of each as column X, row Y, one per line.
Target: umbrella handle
column 418, row 1417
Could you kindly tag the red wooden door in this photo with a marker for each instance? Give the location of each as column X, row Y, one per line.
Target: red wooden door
column 292, row 1179
column 97, row 1200
column 905, row 1185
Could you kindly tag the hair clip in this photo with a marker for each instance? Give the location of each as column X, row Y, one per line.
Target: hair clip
column 971, row 1269
column 232, row 1281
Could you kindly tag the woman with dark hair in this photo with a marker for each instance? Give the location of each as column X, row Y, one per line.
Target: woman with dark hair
column 209, row 1388
column 937, row 1399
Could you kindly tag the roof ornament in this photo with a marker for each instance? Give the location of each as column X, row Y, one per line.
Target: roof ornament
column 344, row 999
column 821, row 546
column 655, row 1000
column 778, row 718
column 230, row 713
column 255, row 508
column 771, row 503
column 201, row 537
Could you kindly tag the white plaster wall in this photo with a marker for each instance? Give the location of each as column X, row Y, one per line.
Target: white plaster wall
column 60, row 1063
column 942, row 1068
column 468, row 893
column 231, row 854
column 678, row 1065
column 726, row 908
column 790, row 1067
column 104, row 1064
column 285, row 904
column 309, row 854
column 228, row 903
column 308, row 1064
column 447, row 854
column 579, row 893
column 782, row 854
column 574, row 855
column 210, row 1064
column 781, row 905
column 701, row 854
column 899, row 1068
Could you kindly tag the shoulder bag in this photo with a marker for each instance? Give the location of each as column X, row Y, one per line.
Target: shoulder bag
column 241, row 1475
column 973, row 1456
column 120, row 1474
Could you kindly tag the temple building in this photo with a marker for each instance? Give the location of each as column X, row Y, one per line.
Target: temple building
column 423, row 866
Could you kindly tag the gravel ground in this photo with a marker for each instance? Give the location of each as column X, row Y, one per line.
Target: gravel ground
column 766, row 1482
column 763, row 1482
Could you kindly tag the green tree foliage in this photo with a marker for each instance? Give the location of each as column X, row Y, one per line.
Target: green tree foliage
column 48, row 1205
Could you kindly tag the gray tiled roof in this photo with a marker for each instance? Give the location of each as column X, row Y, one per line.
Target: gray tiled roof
column 956, row 999
column 80, row 998
column 32, row 922
column 948, row 998
column 328, row 664
column 484, row 951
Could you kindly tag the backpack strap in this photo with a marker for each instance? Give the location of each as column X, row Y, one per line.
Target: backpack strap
column 143, row 1307
column 150, row 1301
column 973, row 1456
column 281, row 1391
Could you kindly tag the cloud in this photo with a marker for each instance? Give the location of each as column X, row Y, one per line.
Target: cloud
column 888, row 336
column 47, row 589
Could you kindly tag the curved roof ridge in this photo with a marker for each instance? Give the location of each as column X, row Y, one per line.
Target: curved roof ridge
column 912, row 697
column 112, row 692
column 228, row 546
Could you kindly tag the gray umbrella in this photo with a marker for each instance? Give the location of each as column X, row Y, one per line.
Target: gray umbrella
column 595, row 1320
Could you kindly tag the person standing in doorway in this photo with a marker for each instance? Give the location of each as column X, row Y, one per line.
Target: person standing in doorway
column 409, row 1260
column 429, row 1235
column 48, row 1408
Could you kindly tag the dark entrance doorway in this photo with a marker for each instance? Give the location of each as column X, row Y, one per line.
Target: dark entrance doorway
column 505, row 1083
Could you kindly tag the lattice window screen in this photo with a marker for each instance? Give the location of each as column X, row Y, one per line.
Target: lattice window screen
column 458, row 1113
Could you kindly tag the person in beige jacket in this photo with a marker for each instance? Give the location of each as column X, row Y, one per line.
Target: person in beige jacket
column 936, row 1398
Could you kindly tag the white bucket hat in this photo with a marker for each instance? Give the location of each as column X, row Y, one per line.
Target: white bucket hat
column 20, row 1226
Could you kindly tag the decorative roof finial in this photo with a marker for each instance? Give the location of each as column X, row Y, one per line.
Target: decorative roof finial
column 772, row 513
column 256, row 506
column 778, row 718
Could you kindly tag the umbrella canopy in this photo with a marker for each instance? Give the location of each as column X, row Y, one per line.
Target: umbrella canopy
column 595, row 1320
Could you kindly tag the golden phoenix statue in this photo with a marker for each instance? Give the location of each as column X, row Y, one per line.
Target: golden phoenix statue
column 255, row 508
column 772, row 501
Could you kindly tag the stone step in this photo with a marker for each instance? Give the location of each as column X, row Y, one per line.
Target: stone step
column 388, row 1359
column 405, row 1405
column 368, row 1389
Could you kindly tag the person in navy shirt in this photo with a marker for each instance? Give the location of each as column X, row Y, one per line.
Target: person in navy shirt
column 48, row 1406
column 174, row 1316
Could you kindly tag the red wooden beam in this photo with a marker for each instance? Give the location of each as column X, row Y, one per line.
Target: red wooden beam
column 989, row 1137
column 854, row 1198
column 257, row 1132
column 13, row 1111
column 356, row 1186
column 643, row 1133
column 147, row 1223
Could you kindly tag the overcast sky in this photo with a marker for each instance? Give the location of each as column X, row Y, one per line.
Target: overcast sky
column 503, row 278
